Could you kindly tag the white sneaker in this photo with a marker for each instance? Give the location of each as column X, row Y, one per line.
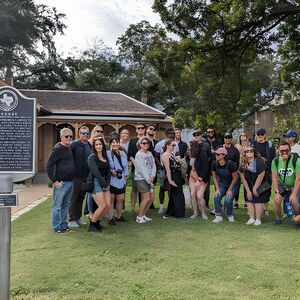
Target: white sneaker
column 257, row 222
column 231, row 219
column 80, row 222
column 194, row 216
column 73, row 224
column 140, row 220
column 161, row 209
column 204, row 216
column 217, row 219
column 250, row 221
column 284, row 216
column 147, row 218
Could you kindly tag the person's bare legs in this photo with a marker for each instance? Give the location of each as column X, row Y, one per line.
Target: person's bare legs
column 201, row 187
column 192, row 186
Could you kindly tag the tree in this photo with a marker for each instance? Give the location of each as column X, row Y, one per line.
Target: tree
column 218, row 43
column 24, row 26
column 134, row 47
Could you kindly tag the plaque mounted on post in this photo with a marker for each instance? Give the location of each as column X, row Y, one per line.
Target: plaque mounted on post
column 17, row 134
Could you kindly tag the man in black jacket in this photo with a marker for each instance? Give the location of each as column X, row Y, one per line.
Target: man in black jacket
column 60, row 169
column 81, row 150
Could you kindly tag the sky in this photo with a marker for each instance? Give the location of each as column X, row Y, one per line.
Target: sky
column 101, row 19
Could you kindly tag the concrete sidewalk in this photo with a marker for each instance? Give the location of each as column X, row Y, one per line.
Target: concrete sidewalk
column 30, row 197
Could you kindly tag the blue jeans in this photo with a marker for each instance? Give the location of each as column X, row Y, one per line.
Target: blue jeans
column 228, row 200
column 61, row 200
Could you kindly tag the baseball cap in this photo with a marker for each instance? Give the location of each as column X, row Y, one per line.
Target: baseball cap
column 195, row 131
column 221, row 150
column 228, row 134
column 261, row 131
column 291, row 133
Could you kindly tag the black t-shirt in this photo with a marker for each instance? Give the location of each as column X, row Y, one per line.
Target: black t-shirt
column 250, row 176
column 233, row 154
column 224, row 172
column 261, row 148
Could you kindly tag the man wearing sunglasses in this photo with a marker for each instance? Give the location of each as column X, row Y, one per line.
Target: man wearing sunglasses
column 60, row 169
column 286, row 180
column 140, row 130
column 81, row 150
column 266, row 150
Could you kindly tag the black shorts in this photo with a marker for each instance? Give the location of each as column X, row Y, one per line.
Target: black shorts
column 115, row 191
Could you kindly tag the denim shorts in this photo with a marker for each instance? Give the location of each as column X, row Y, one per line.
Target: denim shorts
column 97, row 187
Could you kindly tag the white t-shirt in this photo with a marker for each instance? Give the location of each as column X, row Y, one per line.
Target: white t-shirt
column 296, row 149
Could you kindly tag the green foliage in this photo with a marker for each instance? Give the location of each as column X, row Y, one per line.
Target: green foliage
column 25, row 25
column 221, row 60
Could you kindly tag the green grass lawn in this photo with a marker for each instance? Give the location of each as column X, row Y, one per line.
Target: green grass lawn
column 163, row 259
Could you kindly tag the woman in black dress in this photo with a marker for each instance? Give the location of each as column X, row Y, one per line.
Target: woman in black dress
column 176, row 206
column 253, row 173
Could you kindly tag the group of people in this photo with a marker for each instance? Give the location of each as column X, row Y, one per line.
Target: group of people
column 89, row 167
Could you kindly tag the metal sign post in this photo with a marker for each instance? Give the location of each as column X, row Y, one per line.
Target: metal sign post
column 6, row 187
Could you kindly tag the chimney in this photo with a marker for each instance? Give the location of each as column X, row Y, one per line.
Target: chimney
column 9, row 76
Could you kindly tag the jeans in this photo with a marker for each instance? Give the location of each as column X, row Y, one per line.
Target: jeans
column 228, row 200
column 75, row 207
column 61, row 200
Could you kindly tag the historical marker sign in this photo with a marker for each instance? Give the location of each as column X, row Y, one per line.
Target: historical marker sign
column 17, row 134
column 8, row 200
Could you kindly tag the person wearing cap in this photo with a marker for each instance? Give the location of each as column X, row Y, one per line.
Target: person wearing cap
column 233, row 154
column 252, row 171
column 266, row 150
column 214, row 143
column 196, row 135
column 225, row 176
column 291, row 138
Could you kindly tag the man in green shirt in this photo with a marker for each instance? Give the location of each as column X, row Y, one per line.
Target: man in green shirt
column 285, row 179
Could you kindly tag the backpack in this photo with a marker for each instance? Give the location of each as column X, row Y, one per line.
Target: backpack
column 294, row 160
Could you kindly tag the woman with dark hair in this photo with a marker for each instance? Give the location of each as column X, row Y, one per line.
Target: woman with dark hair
column 176, row 205
column 119, row 171
column 253, row 173
column 144, row 174
column 241, row 145
column 225, row 176
column 198, row 179
column 100, row 172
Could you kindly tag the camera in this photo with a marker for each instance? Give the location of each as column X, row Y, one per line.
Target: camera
column 119, row 174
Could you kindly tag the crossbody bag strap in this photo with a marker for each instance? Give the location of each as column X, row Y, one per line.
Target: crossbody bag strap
column 286, row 167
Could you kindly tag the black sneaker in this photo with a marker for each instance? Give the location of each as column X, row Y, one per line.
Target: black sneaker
column 112, row 222
column 93, row 227
column 236, row 205
column 245, row 205
column 121, row 219
column 59, row 231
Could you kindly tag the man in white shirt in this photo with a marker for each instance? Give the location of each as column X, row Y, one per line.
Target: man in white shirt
column 291, row 138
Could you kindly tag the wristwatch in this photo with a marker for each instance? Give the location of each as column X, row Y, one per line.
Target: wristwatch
column 276, row 192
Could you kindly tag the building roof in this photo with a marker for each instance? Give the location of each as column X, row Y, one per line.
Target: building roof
column 90, row 104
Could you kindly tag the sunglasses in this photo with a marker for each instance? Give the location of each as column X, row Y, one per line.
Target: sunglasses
column 84, row 133
column 68, row 136
column 140, row 128
column 260, row 134
column 210, row 131
column 145, row 143
column 249, row 151
column 284, row 151
column 227, row 137
column 197, row 134
column 173, row 145
column 99, row 131
column 153, row 129
column 98, row 138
